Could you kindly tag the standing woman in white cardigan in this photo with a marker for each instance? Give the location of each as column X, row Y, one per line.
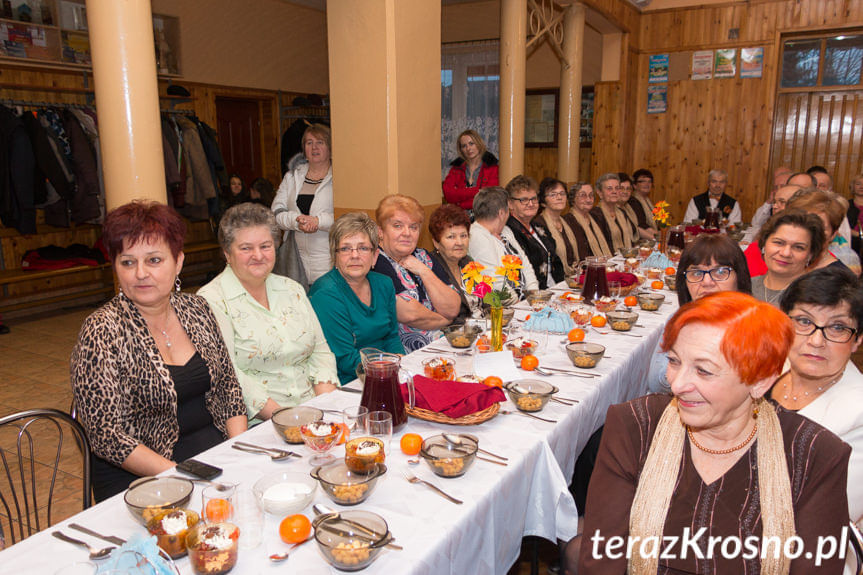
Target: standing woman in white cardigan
column 304, row 203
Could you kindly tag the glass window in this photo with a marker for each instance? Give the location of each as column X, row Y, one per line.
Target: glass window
column 842, row 61
column 446, row 94
column 800, row 63
column 483, row 85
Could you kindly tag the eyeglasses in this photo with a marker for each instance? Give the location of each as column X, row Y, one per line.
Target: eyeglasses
column 362, row 250
column 837, row 333
column 555, row 195
column 525, row 201
column 716, row 274
column 584, row 196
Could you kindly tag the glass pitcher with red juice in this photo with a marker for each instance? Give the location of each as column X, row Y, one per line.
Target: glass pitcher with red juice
column 676, row 237
column 711, row 220
column 381, row 388
column 595, row 278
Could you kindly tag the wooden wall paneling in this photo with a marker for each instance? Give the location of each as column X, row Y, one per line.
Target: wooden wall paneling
column 607, row 128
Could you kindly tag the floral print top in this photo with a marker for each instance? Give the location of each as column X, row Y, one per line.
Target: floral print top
column 278, row 353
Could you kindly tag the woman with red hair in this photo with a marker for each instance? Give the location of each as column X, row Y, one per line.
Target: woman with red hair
column 716, row 466
column 151, row 376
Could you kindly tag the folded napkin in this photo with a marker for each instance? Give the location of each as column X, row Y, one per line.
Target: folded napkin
column 452, row 398
column 129, row 556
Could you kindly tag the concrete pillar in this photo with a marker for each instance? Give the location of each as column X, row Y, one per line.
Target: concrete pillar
column 384, row 63
column 513, row 33
column 127, row 97
column 569, row 114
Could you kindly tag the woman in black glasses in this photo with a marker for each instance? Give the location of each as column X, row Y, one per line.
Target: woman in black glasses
column 826, row 309
column 356, row 306
column 712, row 263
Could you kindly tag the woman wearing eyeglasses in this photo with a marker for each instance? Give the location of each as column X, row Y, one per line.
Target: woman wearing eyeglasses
column 552, row 198
column 536, row 242
column 356, row 306
column 271, row 331
column 588, row 234
column 710, row 264
column 826, row 309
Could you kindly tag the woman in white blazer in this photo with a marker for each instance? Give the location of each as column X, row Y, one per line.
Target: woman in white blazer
column 304, row 203
column 826, row 308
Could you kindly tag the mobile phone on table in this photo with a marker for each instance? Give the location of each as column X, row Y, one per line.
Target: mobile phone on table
column 199, row 469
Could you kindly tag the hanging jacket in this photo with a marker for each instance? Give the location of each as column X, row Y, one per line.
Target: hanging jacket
column 17, row 174
column 85, row 205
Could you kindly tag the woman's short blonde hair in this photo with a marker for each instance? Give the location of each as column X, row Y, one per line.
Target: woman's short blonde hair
column 815, row 201
column 350, row 224
column 321, row 131
column 393, row 203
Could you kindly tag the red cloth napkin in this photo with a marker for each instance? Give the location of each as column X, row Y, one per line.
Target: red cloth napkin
column 625, row 279
column 452, row 398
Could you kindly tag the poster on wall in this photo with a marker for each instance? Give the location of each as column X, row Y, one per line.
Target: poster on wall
column 751, row 62
column 658, row 69
column 725, row 63
column 702, row 64
column 657, row 99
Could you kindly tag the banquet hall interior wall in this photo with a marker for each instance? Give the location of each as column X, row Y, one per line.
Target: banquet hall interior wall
column 719, row 123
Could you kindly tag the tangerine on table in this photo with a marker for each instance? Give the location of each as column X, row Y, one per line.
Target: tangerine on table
column 598, row 321
column 295, row 528
column 656, row 284
column 630, row 301
column 493, row 381
column 411, row 443
column 576, row 335
column 529, row 362
column 670, row 271
column 218, row 510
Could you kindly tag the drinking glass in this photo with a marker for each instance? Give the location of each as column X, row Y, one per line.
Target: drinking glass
column 380, row 425
column 581, row 315
column 355, row 418
column 249, row 517
column 614, row 289
column 321, row 444
column 218, row 503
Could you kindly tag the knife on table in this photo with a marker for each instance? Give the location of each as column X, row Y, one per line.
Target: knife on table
column 109, row 538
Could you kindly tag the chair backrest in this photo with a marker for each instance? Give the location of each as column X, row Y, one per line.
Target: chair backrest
column 31, row 456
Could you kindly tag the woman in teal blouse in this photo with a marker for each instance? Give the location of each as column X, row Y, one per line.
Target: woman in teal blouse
column 356, row 306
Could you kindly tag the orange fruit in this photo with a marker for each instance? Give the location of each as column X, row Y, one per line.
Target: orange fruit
column 630, row 301
column 598, row 321
column 656, row 284
column 493, row 381
column 576, row 335
column 219, row 510
column 295, row 528
column 346, row 433
column 529, row 362
column 411, row 443
column 670, row 271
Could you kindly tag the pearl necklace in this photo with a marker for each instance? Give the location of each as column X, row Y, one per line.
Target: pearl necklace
column 818, row 391
column 721, row 451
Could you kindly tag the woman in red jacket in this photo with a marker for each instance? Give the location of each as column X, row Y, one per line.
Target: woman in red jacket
column 474, row 169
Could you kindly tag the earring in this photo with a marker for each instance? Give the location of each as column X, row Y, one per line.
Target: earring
column 756, row 403
column 177, row 284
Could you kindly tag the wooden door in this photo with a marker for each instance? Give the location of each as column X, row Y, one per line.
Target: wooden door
column 240, row 136
column 820, row 128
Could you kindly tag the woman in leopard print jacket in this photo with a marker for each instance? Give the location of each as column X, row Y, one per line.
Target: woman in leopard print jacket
column 152, row 379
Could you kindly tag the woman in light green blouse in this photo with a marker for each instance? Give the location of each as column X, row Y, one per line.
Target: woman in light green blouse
column 272, row 333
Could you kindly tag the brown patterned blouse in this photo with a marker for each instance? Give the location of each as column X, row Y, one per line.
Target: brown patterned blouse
column 124, row 392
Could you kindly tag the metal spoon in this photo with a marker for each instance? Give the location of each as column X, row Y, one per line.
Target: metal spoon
column 279, row 557
column 320, row 509
column 547, row 371
column 95, row 554
column 475, row 438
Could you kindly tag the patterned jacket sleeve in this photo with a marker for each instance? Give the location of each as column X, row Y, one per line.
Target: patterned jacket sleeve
column 95, row 379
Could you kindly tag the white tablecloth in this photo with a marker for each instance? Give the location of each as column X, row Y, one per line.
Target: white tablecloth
column 501, row 504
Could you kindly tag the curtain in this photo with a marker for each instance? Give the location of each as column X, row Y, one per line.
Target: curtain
column 470, row 95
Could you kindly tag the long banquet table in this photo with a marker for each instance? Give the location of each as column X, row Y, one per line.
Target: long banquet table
column 501, row 504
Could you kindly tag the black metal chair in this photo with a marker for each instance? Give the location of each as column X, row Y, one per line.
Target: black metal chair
column 27, row 484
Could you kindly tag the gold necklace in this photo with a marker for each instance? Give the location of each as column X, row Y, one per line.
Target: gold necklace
column 721, row 451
